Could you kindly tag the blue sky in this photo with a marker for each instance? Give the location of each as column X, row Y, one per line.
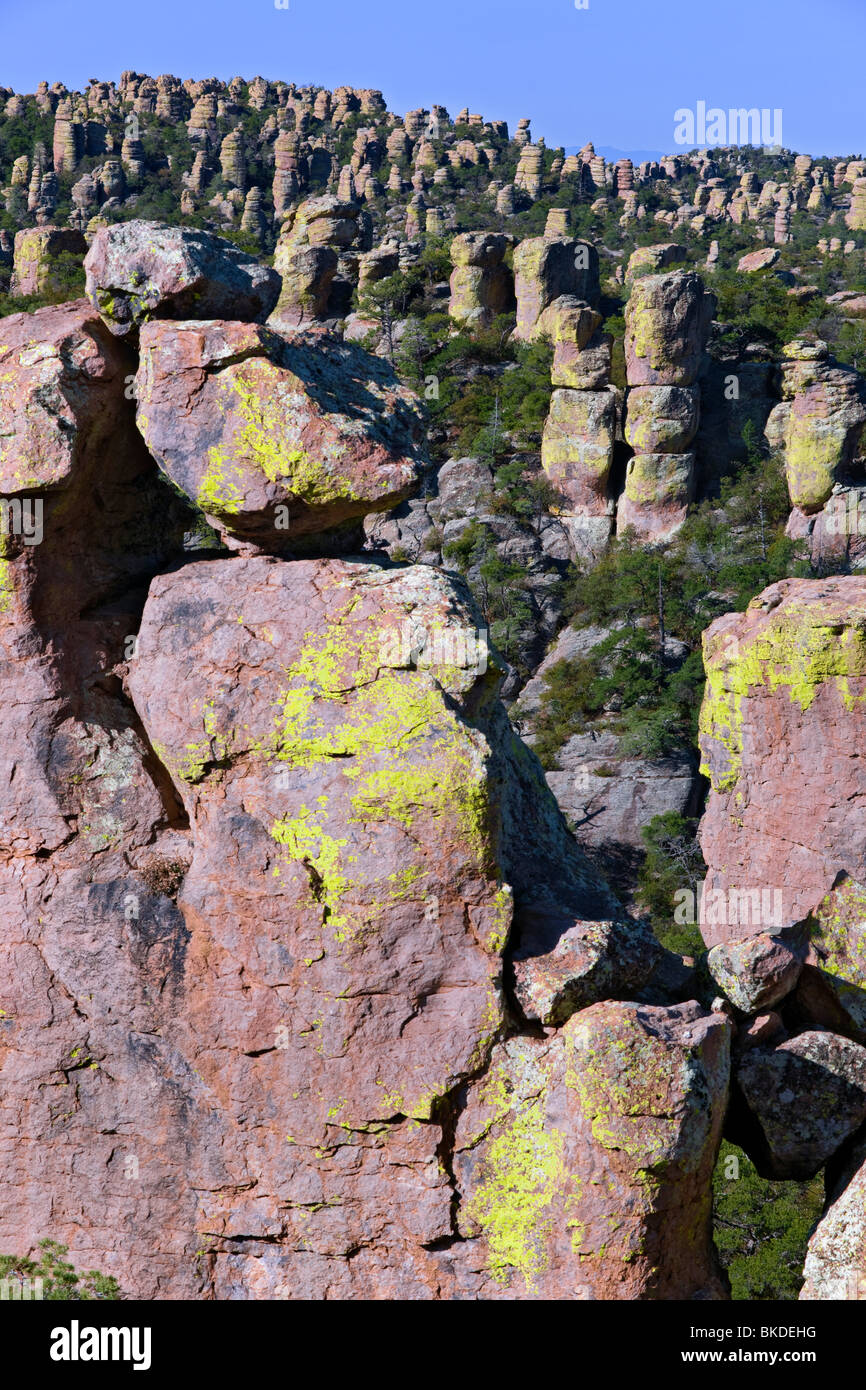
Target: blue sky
column 614, row 73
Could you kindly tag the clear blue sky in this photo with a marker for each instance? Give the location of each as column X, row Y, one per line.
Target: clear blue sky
column 614, row 73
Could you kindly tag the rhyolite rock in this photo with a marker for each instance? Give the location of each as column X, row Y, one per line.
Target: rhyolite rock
column 43, row 259
column 546, row 268
column 667, row 319
column 584, row 1159
column 90, row 938
column 658, row 490
column 651, row 260
column 835, row 1267
column 782, row 710
column 276, row 436
column 577, row 447
column 808, row 1095
column 832, row 988
column 562, row 965
column 820, row 423
column 756, row 973
column 661, row 419
column 312, row 239
column 482, row 285
column 138, row 271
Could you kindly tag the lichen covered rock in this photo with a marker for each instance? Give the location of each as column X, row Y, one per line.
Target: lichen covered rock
column 545, row 268
column 273, row 436
column 667, row 320
column 137, row 271
column 583, row 1160
column 577, row 447
column 782, row 711
column 658, row 490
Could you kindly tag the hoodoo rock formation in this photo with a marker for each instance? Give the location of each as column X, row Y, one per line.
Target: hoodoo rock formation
column 403, row 439
column 285, row 899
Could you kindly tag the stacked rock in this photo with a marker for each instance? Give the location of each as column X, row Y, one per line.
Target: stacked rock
column 667, row 322
column 482, row 286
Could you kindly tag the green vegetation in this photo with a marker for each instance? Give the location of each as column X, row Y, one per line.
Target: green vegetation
column 762, row 1228
column 672, row 864
column 645, row 677
column 60, row 1280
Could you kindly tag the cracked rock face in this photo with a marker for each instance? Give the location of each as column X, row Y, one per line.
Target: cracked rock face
column 271, row 843
column 584, row 1159
column 139, row 270
column 276, row 437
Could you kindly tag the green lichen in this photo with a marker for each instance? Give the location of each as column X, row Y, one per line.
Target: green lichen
column 523, row 1172
column 790, row 654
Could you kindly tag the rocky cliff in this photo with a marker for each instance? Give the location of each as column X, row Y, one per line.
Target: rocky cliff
column 409, row 534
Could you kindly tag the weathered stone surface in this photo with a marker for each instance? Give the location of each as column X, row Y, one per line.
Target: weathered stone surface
column 835, row 1266
column 658, row 490
column 275, row 436
column 758, row 972
column 782, row 712
column 807, row 1095
column 90, row 948
column 583, row 1160
column 563, row 965
column 577, row 447
column 137, row 271
column 42, row 259
column 651, row 260
column 832, row 989
column 313, row 237
column 661, row 419
column 482, row 286
column 545, row 269
column 758, row 260
column 667, row 319
column 821, row 422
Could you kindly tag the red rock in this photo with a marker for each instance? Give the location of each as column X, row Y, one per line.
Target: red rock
column 274, row 436
column 584, row 1160
column 137, row 271
column 808, row 1096
column 757, row 972
column 782, row 711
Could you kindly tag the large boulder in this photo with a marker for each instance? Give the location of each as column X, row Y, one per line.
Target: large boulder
column 577, row 447
column 782, row 710
column 584, row 1160
column 808, row 1095
column 545, row 268
column 655, row 501
column 661, row 419
column 482, row 285
column 667, row 320
column 758, row 972
column 138, row 271
column 276, row 437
